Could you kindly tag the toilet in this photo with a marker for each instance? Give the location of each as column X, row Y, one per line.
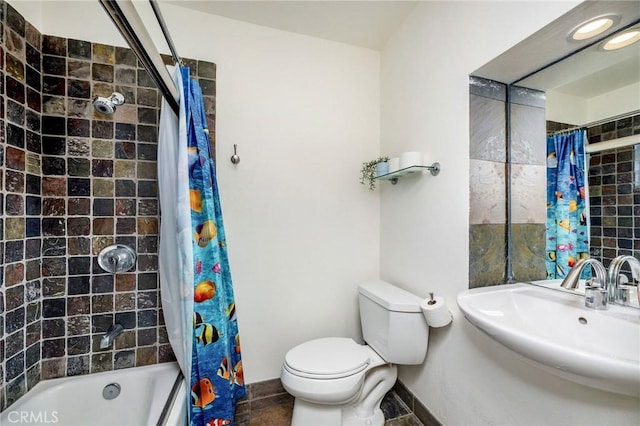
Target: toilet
column 338, row 382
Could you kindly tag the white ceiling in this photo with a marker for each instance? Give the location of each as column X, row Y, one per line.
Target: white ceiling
column 362, row 23
column 586, row 74
column 370, row 24
column 590, row 73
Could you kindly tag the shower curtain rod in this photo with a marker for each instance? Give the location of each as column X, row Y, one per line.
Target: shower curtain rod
column 596, row 123
column 609, row 144
column 126, row 19
column 165, row 31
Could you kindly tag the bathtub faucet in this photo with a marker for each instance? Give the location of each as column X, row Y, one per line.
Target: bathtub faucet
column 110, row 335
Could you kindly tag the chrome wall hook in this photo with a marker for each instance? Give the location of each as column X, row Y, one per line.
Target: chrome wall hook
column 235, row 159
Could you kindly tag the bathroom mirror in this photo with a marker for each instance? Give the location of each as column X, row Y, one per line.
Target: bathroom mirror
column 592, row 84
column 581, row 85
column 600, row 90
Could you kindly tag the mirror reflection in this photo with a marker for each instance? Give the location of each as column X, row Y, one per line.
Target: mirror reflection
column 577, row 91
column 592, row 114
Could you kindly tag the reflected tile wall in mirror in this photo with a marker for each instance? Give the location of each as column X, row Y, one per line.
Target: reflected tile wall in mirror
column 614, row 199
column 528, row 183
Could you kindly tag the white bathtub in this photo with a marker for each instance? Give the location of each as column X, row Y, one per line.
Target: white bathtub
column 144, row 396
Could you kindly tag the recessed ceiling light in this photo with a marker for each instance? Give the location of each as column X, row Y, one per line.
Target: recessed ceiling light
column 622, row 39
column 593, row 27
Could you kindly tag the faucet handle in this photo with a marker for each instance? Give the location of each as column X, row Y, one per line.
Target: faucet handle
column 624, row 294
column 596, row 297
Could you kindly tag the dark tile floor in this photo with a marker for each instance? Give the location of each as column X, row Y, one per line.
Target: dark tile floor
column 276, row 411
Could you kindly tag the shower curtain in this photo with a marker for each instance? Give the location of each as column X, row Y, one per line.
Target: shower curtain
column 196, row 286
column 567, row 239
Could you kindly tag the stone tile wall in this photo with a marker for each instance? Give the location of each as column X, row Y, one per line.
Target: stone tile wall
column 487, row 184
column 614, row 129
column 76, row 181
column 22, row 240
column 614, row 192
column 487, row 215
column 528, row 183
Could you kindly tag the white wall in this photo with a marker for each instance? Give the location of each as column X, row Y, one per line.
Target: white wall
column 565, row 108
column 302, row 232
column 467, row 379
column 616, row 102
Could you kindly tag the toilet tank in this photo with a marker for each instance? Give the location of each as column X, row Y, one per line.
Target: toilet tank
column 393, row 323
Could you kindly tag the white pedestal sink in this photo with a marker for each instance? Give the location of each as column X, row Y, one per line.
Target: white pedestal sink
column 554, row 330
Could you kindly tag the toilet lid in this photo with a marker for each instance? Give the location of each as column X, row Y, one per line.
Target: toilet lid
column 331, row 357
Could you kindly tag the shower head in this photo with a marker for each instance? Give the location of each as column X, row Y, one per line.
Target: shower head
column 108, row 105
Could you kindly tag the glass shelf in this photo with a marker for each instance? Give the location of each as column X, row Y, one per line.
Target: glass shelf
column 393, row 176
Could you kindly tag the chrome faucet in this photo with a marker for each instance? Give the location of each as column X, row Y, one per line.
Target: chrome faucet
column 617, row 292
column 596, row 296
column 110, row 336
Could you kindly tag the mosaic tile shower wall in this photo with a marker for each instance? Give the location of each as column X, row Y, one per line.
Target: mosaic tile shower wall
column 76, row 181
column 487, row 204
column 614, row 192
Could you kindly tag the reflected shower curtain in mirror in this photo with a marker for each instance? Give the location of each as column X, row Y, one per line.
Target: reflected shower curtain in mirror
column 200, row 298
column 567, row 239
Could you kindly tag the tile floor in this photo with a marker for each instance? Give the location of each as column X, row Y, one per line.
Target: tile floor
column 276, row 410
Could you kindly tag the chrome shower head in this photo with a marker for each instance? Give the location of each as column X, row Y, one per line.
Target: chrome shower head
column 108, row 105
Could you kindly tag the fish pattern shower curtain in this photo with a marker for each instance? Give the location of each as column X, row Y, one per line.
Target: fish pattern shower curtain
column 217, row 379
column 567, row 239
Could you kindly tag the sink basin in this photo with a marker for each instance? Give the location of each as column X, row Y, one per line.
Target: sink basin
column 555, row 332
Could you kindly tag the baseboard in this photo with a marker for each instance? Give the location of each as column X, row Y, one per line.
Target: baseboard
column 417, row 408
column 263, row 395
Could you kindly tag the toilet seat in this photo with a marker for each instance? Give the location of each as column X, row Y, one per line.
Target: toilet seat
column 328, row 371
column 328, row 358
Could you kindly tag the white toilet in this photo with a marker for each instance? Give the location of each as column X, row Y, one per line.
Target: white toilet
column 336, row 381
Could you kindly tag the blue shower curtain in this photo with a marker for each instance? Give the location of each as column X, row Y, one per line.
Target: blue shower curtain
column 217, row 378
column 196, row 286
column 567, row 239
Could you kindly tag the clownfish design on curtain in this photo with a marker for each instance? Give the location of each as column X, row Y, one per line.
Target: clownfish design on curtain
column 217, row 379
column 567, row 237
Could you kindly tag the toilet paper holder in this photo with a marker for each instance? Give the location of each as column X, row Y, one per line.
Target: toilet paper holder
column 435, row 311
column 431, row 300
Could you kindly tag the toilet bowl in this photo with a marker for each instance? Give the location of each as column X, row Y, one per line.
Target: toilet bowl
column 329, row 370
column 329, row 377
column 338, row 382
